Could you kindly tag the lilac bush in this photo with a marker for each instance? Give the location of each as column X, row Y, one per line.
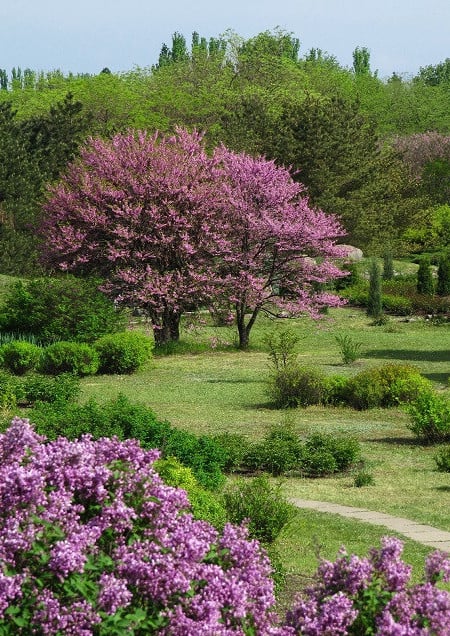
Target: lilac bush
column 92, row 542
column 372, row 596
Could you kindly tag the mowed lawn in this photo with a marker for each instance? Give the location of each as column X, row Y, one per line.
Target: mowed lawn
column 218, row 390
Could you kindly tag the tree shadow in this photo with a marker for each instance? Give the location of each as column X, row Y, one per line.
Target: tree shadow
column 439, row 355
column 397, row 441
column 439, row 378
column 442, row 488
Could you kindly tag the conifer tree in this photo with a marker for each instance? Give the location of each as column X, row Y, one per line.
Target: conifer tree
column 425, row 284
column 443, row 281
column 374, row 303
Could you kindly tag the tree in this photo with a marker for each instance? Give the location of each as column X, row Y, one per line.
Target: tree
column 443, row 275
column 374, row 303
column 279, row 250
column 388, row 265
column 140, row 212
column 169, row 227
column 425, row 284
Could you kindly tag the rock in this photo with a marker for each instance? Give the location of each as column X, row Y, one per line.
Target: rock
column 352, row 253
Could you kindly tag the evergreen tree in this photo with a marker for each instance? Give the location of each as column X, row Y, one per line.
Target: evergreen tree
column 374, row 302
column 443, row 281
column 388, row 265
column 425, row 283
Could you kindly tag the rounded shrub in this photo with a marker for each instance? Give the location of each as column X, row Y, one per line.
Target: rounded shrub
column 20, row 356
column 69, row 357
column 295, row 385
column 64, row 308
column 430, row 417
column 326, row 454
column 43, row 388
column 261, row 503
column 235, row 447
column 442, row 459
column 123, row 352
column 203, row 503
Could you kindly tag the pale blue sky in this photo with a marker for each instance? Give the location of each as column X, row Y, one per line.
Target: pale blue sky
column 87, row 35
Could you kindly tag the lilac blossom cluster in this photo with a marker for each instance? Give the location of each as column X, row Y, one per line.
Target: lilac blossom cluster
column 373, row 595
column 93, row 542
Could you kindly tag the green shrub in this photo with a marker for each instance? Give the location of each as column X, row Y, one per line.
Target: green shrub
column 425, row 283
column 11, row 390
column 374, row 301
column 335, row 390
column 388, row 265
column 126, row 420
column 349, row 348
column 363, row 478
column 326, row 454
column 430, row 417
column 279, row 452
column 296, row 385
column 384, row 386
column 204, row 504
column 235, row 447
column 65, row 308
column 262, row 503
column 44, row 388
column 20, row 356
column 397, row 305
column 69, row 357
column 442, row 459
column 282, row 347
column 123, row 352
column 443, row 275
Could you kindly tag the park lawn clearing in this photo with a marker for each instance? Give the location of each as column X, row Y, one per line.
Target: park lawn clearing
column 223, row 390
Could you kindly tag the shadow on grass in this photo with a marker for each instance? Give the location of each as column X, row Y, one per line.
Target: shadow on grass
column 440, row 378
column 442, row 488
column 397, row 441
column 442, row 355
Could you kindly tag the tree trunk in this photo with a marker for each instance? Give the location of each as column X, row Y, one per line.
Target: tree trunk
column 169, row 328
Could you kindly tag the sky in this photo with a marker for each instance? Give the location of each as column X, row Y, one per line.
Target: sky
column 85, row 36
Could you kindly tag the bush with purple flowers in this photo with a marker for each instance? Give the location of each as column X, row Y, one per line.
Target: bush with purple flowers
column 92, row 542
column 372, row 596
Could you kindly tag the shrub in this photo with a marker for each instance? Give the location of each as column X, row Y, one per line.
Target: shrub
column 235, row 447
column 20, row 356
column 65, row 308
column 11, row 390
column 363, row 478
column 335, row 390
column 123, row 352
column 385, row 386
column 125, row 420
column 372, row 595
column 425, row 283
column 327, row 454
column 275, row 454
column 349, row 347
column 282, row 347
column 388, row 265
column 296, row 385
column 443, row 275
column 203, row 503
column 262, row 503
column 43, row 388
column 442, row 459
column 112, row 550
column 430, row 417
column 69, row 357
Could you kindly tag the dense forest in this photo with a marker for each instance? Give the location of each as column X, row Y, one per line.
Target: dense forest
column 375, row 152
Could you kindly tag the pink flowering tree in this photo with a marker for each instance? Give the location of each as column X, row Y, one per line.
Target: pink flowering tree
column 139, row 211
column 279, row 251
column 169, row 227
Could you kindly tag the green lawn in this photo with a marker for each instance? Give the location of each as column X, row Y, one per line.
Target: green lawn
column 224, row 390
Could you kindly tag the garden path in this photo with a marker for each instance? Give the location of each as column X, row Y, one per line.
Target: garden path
column 422, row 533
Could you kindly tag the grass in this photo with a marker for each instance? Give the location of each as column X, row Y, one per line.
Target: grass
column 207, row 390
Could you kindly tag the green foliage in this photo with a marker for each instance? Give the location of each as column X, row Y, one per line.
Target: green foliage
column 69, row 357
column 235, row 447
column 126, row 420
column 43, row 388
column 442, row 459
column 296, row 385
column 349, row 347
column 327, row 454
column 443, row 275
column 430, row 417
column 204, row 504
column 279, row 452
column 11, row 390
column 374, row 301
column 262, row 503
column 336, row 390
column 282, row 347
column 20, row 356
column 123, row 352
column 64, row 308
column 388, row 265
column 425, row 283
column 363, row 478
column 384, row 386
